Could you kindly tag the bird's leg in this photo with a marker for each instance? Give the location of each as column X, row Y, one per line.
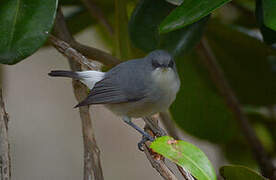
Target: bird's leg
column 146, row 136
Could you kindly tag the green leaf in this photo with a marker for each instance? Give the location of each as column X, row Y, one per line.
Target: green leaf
column 246, row 62
column 122, row 41
column 24, row 27
column 144, row 23
column 269, row 35
column 183, row 40
column 198, row 108
column 186, row 155
column 237, row 151
column 269, row 8
column 233, row 172
column 189, row 12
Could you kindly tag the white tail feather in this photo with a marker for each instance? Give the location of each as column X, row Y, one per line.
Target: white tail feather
column 90, row 78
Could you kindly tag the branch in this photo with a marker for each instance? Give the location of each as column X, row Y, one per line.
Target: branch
column 5, row 160
column 63, row 33
column 70, row 52
column 92, row 161
column 156, row 160
column 97, row 13
column 208, row 58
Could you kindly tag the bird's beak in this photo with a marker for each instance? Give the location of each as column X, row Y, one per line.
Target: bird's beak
column 164, row 69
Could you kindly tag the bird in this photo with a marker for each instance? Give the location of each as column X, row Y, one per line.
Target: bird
column 132, row 89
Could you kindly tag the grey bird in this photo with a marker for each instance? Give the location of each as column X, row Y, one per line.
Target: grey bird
column 132, row 89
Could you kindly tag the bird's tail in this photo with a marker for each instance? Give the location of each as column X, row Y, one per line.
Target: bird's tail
column 61, row 73
column 89, row 78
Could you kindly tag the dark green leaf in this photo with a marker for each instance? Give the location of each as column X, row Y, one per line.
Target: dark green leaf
column 183, row 40
column 269, row 8
column 246, row 64
column 233, row 172
column 24, row 27
column 189, row 12
column 237, row 151
column 144, row 24
column 269, row 36
column 186, row 155
column 198, row 108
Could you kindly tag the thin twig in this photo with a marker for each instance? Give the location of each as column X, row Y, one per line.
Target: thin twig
column 208, row 58
column 158, row 163
column 5, row 160
column 97, row 13
column 185, row 173
column 89, row 52
column 65, row 49
column 92, row 161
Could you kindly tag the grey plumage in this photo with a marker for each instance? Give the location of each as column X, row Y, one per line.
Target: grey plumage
column 130, row 81
column 135, row 88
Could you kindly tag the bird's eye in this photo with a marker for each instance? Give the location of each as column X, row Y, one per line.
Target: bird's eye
column 155, row 64
column 171, row 63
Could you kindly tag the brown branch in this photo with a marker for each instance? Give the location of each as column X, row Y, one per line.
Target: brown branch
column 91, row 53
column 92, row 161
column 65, row 49
column 158, row 163
column 97, row 13
column 208, row 58
column 152, row 127
column 96, row 54
column 5, row 160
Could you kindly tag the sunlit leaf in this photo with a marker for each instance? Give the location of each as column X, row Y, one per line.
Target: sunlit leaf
column 186, row 155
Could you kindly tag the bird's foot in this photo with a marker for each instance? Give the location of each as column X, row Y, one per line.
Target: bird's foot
column 144, row 139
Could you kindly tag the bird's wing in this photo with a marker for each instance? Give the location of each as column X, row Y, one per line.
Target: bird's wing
column 115, row 88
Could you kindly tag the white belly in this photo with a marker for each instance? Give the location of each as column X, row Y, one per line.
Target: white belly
column 168, row 84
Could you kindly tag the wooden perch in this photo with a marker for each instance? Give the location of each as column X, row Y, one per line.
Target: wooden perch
column 5, row 160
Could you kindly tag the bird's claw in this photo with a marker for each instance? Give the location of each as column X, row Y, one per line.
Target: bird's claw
column 143, row 140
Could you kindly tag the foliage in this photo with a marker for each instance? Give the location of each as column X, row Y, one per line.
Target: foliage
column 185, row 155
column 244, row 46
column 239, row 173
